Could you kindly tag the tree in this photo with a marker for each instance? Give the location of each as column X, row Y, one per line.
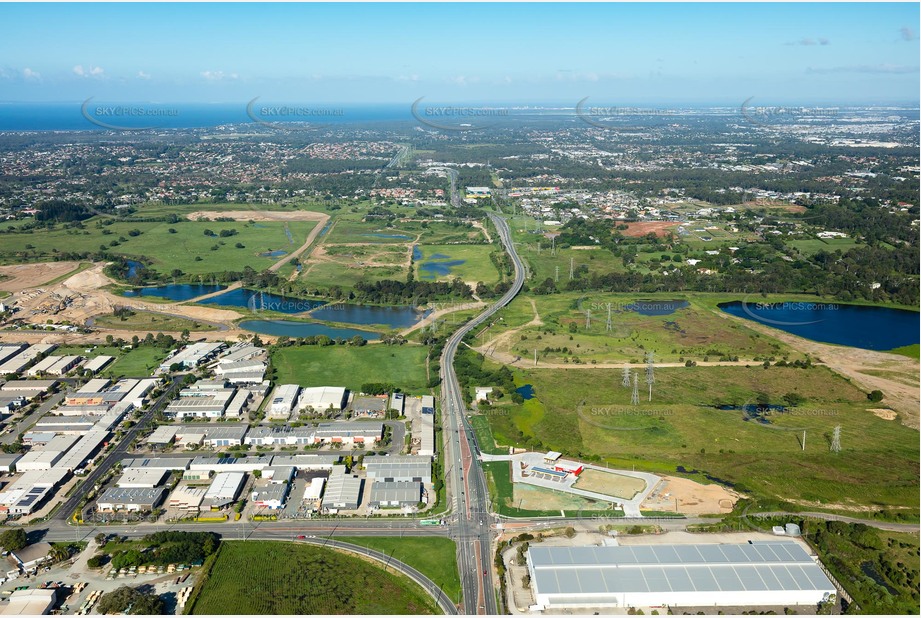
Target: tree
column 13, row 539
column 875, row 396
column 126, row 597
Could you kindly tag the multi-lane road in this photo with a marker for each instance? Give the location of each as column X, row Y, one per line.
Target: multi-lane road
column 465, row 479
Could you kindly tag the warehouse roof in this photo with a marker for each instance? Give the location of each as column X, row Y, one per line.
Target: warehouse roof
column 396, row 491
column 674, row 568
column 131, row 495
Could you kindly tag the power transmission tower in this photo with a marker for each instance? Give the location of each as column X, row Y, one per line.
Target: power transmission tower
column 553, row 245
column 650, row 373
column 609, row 327
column 571, row 268
column 836, row 440
column 556, row 278
column 635, row 397
column 588, row 319
column 626, row 381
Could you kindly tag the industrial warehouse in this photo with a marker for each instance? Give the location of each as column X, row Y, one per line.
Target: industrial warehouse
column 762, row 573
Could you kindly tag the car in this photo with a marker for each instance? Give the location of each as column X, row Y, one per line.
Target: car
column 301, row 536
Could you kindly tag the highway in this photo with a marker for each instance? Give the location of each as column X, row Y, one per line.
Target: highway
column 464, row 477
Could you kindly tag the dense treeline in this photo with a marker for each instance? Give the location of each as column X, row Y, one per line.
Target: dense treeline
column 390, row 291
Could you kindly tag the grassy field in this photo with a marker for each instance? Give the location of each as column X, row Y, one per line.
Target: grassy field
column 171, row 250
column 477, row 265
column 138, row 363
column 814, row 245
column 587, row 413
column 402, row 366
column 434, row 557
column 153, row 322
column 345, row 272
column 695, row 331
column 269, row 577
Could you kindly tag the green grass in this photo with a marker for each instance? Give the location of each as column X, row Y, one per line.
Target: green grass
column 434, row 557
column 814, row 245
column 680, row 427
column 911, row 351
column 477, row 264
column 138, row 363
column 152, row 322
column 695, row 331
column 329, row 274
column 271, row 577
column 169, row 251
column 402, row 366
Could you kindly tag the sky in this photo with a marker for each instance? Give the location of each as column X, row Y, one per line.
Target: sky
column 541, row 54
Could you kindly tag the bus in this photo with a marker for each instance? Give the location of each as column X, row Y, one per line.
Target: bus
column 431, row 522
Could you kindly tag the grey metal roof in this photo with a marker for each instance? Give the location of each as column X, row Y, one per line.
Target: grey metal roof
column 675, row 568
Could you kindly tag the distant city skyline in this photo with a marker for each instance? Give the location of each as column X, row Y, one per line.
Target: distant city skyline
column 513, row 54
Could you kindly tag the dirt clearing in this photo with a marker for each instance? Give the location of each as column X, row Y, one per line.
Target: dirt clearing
column 610, row 484
column 690, row 498
column 23, row 276
column 883, row 413
column 641, row 228
column 258, row 215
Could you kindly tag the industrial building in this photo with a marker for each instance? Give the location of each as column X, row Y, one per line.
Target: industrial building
column 26, row 493
column 395, row 493
column 164, row 463
column 18, row 362
column 343, row 491
column 279, row 435
column 399, row 468
column 162, row 435
column 270, row 496
column 348, row 433
column 9, row 350
column 283, row 399
column 8, row 462
column 396, row 403
column 225, row 488
column 44, row 457
column 54, row 365
column 186, row 498
column 130, row 499
column 95, row 365
column 142, row 478
column 318, row 399
column 215, row 436
column 200, row 400
column 306, row 462
column 314, row 490
column 30, row 388
column 33, row 602
column 230, row 464
column 771, row 573
column 191, row 356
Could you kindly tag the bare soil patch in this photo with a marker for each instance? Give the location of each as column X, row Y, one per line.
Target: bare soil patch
column 641, row 228
column 258, row 215
column 610, row 483
column 23, row 276
column 883, row 413
column 689, row 497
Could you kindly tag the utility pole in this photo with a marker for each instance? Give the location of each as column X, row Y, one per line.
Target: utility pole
column 609, row 327
column 804, row 439
column 836, row 440
column 626, row 381
column 588, row 319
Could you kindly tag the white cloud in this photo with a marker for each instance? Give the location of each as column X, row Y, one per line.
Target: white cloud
column 28, row 73
column 807, row 42
column 216, row 76
column 89, row 72
column 143, row 75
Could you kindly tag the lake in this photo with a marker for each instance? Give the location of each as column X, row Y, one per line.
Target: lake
column 175, row 291
column 526, row 391
column 257, row 301
column 871, row 328
column 394, row 317
column 288, row 328
column 276, row 253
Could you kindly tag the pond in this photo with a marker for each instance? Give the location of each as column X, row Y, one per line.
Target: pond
column 133, row 267
column 869, row 327
column 394, row 317
column 526, row 391
column 175, row 291
column 430, row 269
column 288, row 328
column 272, row 254
column 263, row 301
